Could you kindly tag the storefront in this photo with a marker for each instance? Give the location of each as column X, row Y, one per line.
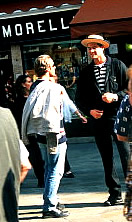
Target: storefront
column 41, row 31
column 51, row 35
column 67, row 56
column 37, row 26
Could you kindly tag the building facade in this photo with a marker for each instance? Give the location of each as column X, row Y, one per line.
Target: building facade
column 31, row 28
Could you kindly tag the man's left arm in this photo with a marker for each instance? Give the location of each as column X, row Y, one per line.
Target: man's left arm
column 121, row 79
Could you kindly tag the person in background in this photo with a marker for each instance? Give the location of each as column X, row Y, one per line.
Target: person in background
column 22, row 88
column 71, row 77
column 43, row 119
column 6, row 90
column 9, row 90
column 10, row 166
column 123, row 130
column 68, row 109
column 99, row 93
column 128, row 196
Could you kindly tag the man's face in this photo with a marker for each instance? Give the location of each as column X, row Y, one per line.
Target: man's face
column 95, row 51
column 52, row 68
column 28, row 83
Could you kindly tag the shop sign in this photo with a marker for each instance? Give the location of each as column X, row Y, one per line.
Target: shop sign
column 43, row 26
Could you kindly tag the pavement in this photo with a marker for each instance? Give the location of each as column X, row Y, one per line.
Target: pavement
column 83, row 195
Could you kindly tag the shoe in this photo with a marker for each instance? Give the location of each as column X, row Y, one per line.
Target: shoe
column 68, row 175
column 54, row 214
column 60, row 206
column 112, row 200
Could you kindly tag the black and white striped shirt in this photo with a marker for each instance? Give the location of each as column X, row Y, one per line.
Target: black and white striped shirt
column 100, row 75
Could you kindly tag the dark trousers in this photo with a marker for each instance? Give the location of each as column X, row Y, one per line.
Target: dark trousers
column 67, row 165
column 35, row 158
column 104, row 134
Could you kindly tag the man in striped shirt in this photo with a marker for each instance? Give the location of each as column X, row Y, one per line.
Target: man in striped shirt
column 99, row 93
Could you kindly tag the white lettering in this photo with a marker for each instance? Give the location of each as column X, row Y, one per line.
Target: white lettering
column 29, row 26
column 6, row 33
column 39, row 26
column 18, row 29
column 51, row 28
column 5, row 57
column 62, row 24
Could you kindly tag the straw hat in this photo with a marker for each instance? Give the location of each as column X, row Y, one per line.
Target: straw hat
column 95, row 39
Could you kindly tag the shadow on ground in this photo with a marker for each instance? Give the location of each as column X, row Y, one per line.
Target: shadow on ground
column 87, row 167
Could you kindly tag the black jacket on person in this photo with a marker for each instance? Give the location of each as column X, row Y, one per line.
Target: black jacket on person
column 89, row 96
column 17, row 110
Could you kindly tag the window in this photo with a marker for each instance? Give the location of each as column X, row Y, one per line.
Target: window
column 67, row 56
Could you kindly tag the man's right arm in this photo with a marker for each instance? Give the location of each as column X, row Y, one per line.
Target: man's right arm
column 81, row 95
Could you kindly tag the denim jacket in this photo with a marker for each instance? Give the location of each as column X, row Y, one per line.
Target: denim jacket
column 41, row 113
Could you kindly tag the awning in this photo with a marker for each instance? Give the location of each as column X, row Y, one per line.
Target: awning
column 107, row 17
column 38, row 11
column 48, row 23
column 9, row 6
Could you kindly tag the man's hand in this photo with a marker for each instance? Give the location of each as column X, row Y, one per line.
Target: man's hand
column 83, row 118
column 96, row 113
column 109, row 97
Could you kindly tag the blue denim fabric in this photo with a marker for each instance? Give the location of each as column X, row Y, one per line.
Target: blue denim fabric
column 54, row 169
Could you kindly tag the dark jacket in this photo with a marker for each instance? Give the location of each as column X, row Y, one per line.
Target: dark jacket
column 17, row 110
column 88, row 95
